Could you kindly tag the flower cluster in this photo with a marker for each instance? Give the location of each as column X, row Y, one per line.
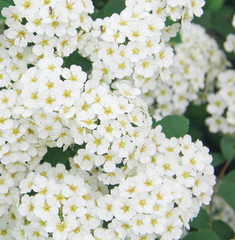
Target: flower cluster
column 221, row 104
column 46, row 25
column 125, row 180
column 197, row 62
column 154, row 194
column 133, row 45
column 222, row 101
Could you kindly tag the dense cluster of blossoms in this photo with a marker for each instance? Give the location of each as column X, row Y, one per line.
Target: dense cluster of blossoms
column 159, row 188
column 197, row 62
column 125, row 180
column 133, row 44
column 221, row 103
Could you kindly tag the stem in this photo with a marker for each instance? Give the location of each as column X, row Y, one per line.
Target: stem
column 221, row 175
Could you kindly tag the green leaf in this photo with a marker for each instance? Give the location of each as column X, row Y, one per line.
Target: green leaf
column 113, row 6
column 5, row 3
column 201, row 221
column 230, row 177
column 205, row 20
column 222, row 20
column 197, row 114
column 77, row 59
column 226, row 190
column 56, row 155
column 222, row 229
column 227, row 148
column 217, row 159
column 195, row 132
column 202, row 235
column 213, row 4
column 173, row 125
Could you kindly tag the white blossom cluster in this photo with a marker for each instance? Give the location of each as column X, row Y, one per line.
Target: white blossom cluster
column 133, row 44
column 221, row 104
column 153, row 195
column 197, row 62
column 46, row 24
column 126, row 180
column 229, row 44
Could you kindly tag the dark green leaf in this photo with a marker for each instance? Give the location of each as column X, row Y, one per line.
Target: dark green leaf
column 202, row 235
column 5, row 3
column 195, row 132
column 222, row 21
column 56, row 155
column 230, row 177
column 113, row 6
column 173, row 125
column 217, row 159
column 227, row 148
column 226, row 190
column 213, row 4
column 197, row 114
column 201, row 221
column 78, row 60
column 99, row 3
column 205, row 20
column 222, row 229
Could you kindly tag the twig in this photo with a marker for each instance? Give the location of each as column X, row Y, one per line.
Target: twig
column 219, row 178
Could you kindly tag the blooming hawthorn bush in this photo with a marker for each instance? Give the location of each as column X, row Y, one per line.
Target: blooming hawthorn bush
column 116, row 173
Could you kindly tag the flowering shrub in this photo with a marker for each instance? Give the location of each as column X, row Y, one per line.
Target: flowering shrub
column 81, row 156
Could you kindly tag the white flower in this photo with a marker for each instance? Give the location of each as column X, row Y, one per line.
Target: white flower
column 51, row 65
column 143, row 203
column 173, row 229
column 20, row 35
column 84, row 159
column 135, row 51
column 146, row 67
column 90, row 220
column 122, row 209
column 26, row 185
column 140, row 224
column 45, row 207
column 27, row 7
column 66, row 45
column 60, row 229
column 35, row 24
column 15, row 133
column 164, row 57
column 195, row 7
column 44, row 45
column 27, row 207
column 123, row 146
column 75, row 207
column 105, row 205
column 109, row 129
column 5, row 183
